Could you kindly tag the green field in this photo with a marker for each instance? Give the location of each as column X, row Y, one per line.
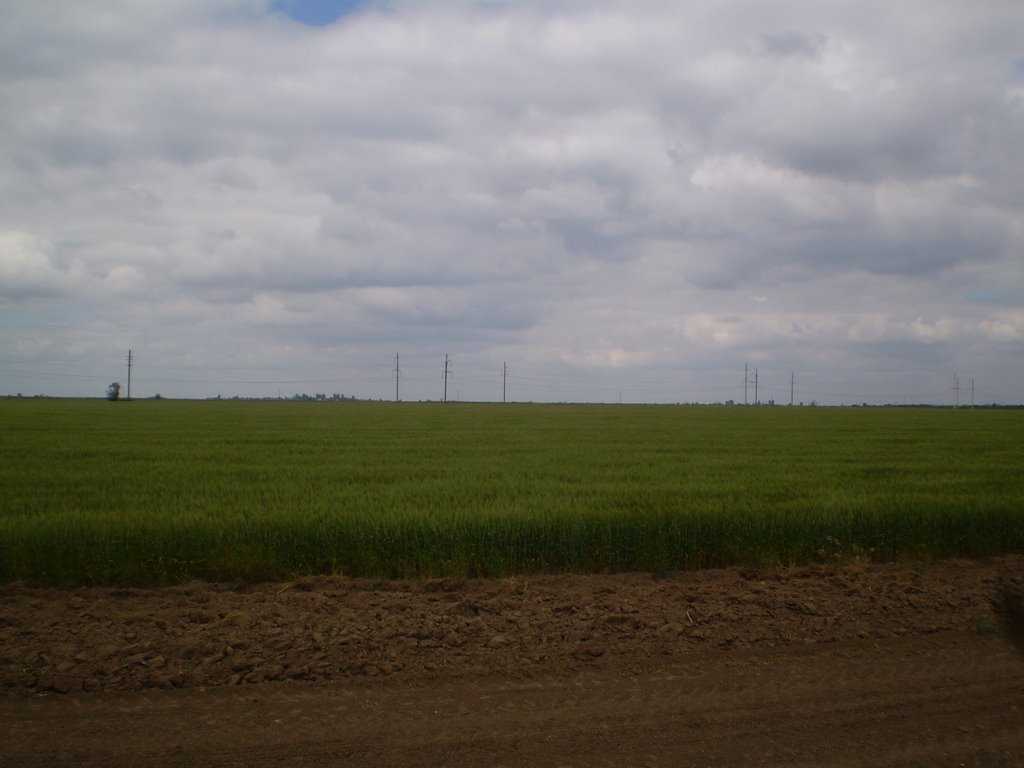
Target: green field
column 155, row 492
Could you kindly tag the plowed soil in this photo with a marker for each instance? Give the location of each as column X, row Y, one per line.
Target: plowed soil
column 846, row 665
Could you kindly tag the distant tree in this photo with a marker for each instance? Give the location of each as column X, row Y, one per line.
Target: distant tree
column 114, row 391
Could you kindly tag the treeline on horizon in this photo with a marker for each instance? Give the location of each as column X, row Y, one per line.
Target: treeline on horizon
column 341, row 398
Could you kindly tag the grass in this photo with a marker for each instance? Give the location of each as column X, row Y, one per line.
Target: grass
column 154, row 492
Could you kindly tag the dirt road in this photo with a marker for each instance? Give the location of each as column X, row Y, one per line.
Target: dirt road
column 882, row 665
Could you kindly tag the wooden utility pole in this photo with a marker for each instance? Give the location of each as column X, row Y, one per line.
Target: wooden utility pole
column 129, row 395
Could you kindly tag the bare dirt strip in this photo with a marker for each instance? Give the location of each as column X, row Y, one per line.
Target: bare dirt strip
column 905, row 664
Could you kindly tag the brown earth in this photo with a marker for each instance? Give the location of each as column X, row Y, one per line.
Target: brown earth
column 846, row 665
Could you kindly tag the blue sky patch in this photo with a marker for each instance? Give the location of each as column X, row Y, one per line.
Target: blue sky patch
column 315, row 13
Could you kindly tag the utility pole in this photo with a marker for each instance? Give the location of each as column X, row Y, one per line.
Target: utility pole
column 972, row 392
column 446, row 375
column 746, row 377
column 756, row 401
column 956, row 391
column 504, row 380
column 397, row 374
column 129, row 396
column 791, row 377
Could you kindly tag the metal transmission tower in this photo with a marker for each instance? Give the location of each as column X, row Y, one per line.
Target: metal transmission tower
column 791, row 379
column 129, row 395
column 397, row 374
column 447, row 373
column 956, row 391
column 756, row 401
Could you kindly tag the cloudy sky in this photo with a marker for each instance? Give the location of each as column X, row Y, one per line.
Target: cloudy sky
column 618, row 199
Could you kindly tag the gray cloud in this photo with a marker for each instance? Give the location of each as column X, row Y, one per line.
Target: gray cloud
column 607, row 193
column 790, row 43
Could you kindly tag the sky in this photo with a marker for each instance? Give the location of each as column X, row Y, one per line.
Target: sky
column 572, row 200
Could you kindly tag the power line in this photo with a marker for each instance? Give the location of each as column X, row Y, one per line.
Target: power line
column 537, row 382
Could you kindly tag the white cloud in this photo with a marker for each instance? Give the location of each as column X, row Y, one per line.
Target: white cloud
column 26, row 268
column 1004, row 326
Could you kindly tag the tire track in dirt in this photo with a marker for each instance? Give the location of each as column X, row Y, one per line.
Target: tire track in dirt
column 952, row 698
